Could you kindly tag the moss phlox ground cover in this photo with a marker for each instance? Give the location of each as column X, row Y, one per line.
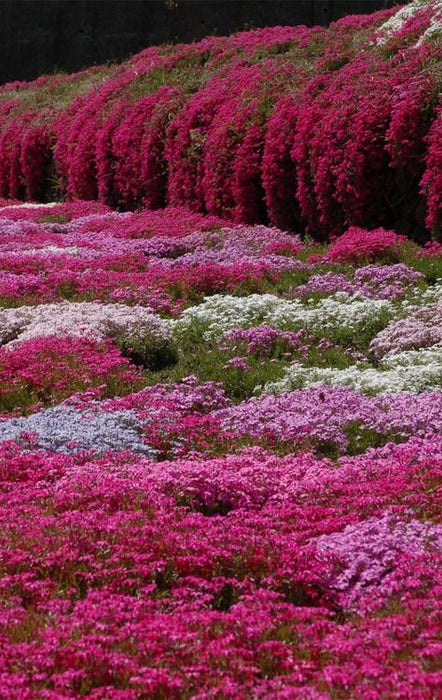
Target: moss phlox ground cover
column 220, row 456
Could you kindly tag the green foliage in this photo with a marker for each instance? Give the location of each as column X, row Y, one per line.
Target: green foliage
column 148, row 351
column 210, row 360
column 360, row 439
column 360, row 336
column 430, row 267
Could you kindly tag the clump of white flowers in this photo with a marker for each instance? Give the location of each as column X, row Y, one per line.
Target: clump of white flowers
column 219, row 313
column 33, row 205
column 435, row 25
column 432, row 294
column 398, row 20
column 412, row 371
column 79, row 319
column 69, row 250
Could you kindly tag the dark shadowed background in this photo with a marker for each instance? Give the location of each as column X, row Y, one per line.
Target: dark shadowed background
column 44, row 36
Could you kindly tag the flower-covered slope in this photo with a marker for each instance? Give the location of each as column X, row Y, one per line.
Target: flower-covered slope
column 313, row 129
column 220, row 452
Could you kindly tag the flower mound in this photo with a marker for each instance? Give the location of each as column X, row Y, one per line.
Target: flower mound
column 358, row 246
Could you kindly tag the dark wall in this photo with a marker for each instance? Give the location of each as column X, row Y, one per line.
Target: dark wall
column 42, row 36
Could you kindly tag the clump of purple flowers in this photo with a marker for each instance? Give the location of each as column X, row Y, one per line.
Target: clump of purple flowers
column 366, row 554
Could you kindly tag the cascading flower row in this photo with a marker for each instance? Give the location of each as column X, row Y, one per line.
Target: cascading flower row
column 315, row 129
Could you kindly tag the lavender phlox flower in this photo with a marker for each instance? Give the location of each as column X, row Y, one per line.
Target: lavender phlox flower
column 318, row 414
column 226, row 247
column 262, row 340
column 421, row 328
column 237, row 362
column 366, row 553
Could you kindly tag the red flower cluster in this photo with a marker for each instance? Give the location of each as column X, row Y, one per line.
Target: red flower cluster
column 360, row 246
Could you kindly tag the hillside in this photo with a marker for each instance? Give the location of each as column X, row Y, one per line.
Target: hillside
column 310, row 129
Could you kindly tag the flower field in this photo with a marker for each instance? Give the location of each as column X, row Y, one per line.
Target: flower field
column 220, row 453
column 221, row 370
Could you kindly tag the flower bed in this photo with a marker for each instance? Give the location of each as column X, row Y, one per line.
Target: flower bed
column 221, row 450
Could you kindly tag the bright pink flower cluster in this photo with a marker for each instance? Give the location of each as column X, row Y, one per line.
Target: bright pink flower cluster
column 49, row 369
column 358, row 246
column 126, row 579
